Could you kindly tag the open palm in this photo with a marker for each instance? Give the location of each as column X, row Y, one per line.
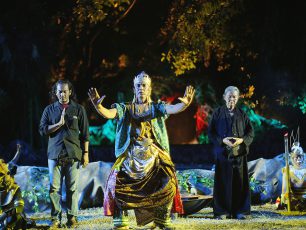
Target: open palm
column 188, row 96
column 95, row 97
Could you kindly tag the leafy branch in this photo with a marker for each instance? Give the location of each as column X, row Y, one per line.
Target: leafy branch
column 256, row 186
column 38, row 188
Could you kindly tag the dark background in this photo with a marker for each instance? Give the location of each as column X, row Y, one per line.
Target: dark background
column 259, row 43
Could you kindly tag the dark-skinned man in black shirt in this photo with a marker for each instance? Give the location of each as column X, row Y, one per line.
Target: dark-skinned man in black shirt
column 65, row 123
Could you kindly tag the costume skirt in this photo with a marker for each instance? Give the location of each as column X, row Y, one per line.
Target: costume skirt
column 144, row 189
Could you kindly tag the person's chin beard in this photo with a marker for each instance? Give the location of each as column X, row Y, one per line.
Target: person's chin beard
column 141, row 99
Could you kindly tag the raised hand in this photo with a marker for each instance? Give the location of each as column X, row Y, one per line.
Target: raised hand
column 62, row 119
column 95, row 97
column 96, row 100
column 188, row 96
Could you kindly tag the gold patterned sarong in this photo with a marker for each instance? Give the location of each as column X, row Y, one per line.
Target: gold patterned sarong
column 142, row 179
column 297, row 188
column 146, row 181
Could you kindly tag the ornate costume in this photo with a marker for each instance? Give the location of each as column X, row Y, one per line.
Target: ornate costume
column 11, row 202
column 297, row 175
column 143, row 177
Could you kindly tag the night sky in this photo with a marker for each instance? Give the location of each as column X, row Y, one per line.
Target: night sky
column 41, row 42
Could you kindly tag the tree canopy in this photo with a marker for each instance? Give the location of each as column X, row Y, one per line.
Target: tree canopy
column 257, row 45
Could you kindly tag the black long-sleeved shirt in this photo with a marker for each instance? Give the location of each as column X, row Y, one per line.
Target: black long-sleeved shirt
column 70, row 136
column 223, row 125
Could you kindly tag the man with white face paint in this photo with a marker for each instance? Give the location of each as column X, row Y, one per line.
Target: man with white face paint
column 231, row 132
column 65, row 123
column 143, row 176
column 297, row 174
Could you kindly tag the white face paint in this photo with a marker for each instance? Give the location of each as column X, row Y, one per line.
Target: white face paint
column 63, row 93
column 142, row 90
column 231, row 99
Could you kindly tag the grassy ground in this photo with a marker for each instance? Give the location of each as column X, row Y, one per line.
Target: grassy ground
column 263, row 217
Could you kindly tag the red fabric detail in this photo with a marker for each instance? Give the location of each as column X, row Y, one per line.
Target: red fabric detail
column 170, row 99
column 177, row 206
column 64, row 106
column 201, row 117
column 177, row 203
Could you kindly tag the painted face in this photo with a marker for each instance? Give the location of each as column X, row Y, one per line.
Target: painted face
column 63, row 93
column 142, row 90
column 297, row 160
column 231, row 99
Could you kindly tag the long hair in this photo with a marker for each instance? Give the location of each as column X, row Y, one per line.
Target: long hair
column 53, row 97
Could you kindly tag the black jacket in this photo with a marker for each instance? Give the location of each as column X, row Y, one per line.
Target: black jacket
column 231, row 182
column 71, row 135
column 223, row 125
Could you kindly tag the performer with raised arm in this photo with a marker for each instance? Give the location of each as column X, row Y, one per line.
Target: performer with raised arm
column 143, row 176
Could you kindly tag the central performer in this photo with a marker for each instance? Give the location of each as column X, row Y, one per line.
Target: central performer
column 143, row 176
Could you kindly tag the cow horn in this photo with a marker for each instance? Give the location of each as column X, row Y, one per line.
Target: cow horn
column 17, row 155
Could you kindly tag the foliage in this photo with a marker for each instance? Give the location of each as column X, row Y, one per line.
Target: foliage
column 105, row 132
column 302, row 104
column 247, row 96
column 188, row 177
column 181, row 62
column 79, row 29
column 202, row 31
column 38, row 189
column 182, row 179
column 83, row 41
column 300, row 101
column 256, row 186
column 185, row 177
column 203, row 139
column 91, row 12
column 205, row 181
column 260, row 123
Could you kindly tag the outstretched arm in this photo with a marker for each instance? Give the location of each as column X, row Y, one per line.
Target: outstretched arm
column 96, row 100
column 185, row 101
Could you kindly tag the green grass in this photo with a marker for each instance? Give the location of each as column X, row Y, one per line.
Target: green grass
column 263, row 217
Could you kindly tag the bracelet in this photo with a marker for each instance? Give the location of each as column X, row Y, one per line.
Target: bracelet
column 85, row 151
